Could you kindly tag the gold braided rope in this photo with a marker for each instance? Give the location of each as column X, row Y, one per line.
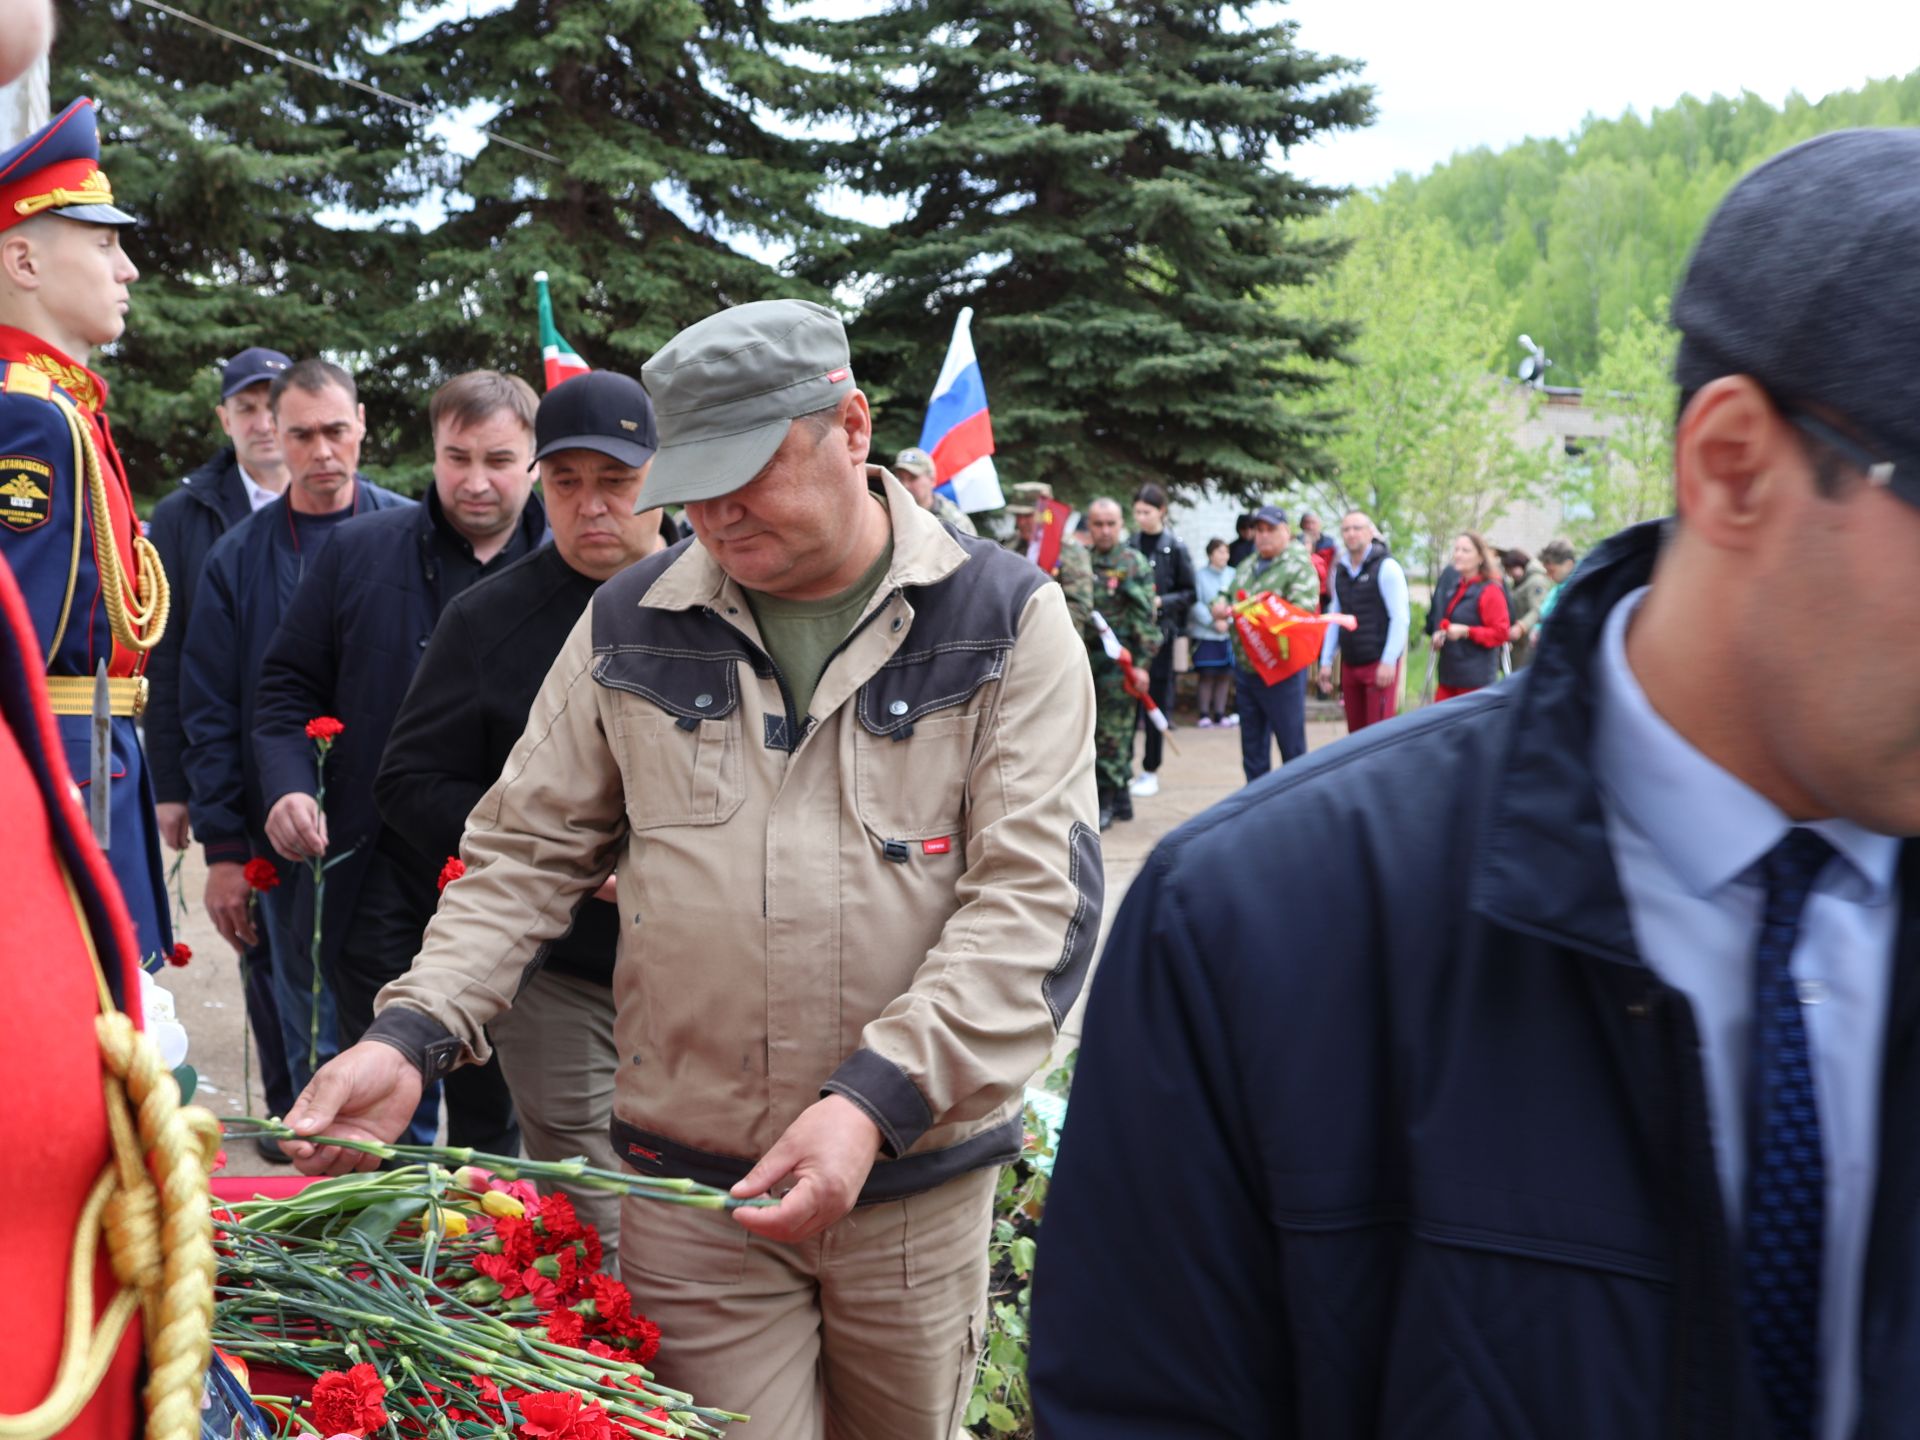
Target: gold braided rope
column 137, row 612
column 159, row 1238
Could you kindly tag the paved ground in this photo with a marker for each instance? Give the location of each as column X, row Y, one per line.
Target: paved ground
column 207, row 1001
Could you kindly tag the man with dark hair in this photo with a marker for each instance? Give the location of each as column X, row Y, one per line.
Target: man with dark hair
column 244, row 588
column 463, row 714
column 347, row 648
column 1242, row 544
column 837, row 757
column 1594, row 1117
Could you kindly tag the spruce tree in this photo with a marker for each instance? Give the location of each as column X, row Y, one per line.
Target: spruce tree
column 230, row 159
column 667, row 188
column 1105, row 183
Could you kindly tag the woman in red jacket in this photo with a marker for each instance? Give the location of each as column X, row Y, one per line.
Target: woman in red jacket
column 1473, row 621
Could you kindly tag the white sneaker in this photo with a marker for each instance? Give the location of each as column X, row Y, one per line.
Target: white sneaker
column 1145, row 784
column 1231, row 720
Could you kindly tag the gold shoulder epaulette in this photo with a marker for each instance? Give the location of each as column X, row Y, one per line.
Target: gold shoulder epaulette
column 25, row 380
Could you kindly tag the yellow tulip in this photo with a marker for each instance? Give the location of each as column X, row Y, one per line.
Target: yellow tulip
column 452, row 1224
column 502, row 1206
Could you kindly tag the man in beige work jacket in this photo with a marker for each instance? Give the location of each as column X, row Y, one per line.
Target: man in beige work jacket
column 839, row 760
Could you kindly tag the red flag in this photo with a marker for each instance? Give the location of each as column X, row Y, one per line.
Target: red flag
column 1279, row 637
column 1050, row 519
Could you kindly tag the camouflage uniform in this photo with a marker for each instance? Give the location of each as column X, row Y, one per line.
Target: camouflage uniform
column 1270, row 713
column 945, row 509
column 1290, row 575
column 1123, row 594
column 1075, row 574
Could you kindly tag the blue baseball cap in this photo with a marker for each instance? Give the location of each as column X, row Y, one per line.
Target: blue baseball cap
column 251, row 367
column 56, row 171
column 1270, row 515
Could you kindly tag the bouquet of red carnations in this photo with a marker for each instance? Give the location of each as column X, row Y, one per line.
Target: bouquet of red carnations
column 423, row 1302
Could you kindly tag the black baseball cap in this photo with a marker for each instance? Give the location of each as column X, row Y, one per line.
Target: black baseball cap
column 601, row 410
column 1806, row 280
column 251, row 367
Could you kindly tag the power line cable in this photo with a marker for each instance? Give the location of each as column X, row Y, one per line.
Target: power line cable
column 326, row 74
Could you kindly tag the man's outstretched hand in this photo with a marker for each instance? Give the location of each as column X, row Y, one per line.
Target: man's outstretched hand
column 827, row 1153
column 368, row 1092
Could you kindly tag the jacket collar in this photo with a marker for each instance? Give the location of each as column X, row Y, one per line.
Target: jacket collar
column 530, row 531
column 1547, row 867
column 218, row 486
column 924, row 552
column 88, row 389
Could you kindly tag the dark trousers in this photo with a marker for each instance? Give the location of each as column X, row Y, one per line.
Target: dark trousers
column 1269, row 713
column 263, row 1018
column 1160, row 687
column 480, row 1112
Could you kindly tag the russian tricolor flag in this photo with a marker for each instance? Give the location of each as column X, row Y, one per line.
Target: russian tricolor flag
column 959, row 432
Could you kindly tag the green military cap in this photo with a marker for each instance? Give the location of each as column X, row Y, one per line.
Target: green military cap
column 1025, row 497
column 726, row 388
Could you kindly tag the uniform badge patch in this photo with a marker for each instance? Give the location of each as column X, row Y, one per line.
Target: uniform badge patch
column 26, row 492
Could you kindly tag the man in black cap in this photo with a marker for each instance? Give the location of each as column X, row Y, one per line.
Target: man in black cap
column 839, row 757
column 1594, row 1118
column 468, row 703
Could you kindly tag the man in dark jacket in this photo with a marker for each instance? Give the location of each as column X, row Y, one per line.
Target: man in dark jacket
column 247, row 473
column 462, row 716
column 347, row 648
column 1594, row 1122
column 244, row 588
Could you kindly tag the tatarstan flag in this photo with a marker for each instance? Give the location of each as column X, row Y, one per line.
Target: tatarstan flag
column 563, row 362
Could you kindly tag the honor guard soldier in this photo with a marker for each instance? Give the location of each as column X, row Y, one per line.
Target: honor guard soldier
column 93, row 584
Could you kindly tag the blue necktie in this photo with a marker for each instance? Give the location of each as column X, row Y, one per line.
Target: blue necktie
column 1786, row 1175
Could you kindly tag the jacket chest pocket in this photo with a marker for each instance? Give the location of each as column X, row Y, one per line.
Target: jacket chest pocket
column 674, row 775
column 915, row 742
column 678, row 737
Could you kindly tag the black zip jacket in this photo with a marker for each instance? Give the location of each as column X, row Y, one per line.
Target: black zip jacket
column 347, row 647
column 1441, row 1167
column 464, row 713
column 1173, row 578
column 210, row 502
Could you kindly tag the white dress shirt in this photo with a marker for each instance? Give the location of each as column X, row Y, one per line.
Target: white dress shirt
column 255, row 495
column 1687, row 839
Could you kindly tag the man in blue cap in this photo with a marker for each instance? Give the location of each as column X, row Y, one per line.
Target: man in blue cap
column 94, row 586
column 246, row 473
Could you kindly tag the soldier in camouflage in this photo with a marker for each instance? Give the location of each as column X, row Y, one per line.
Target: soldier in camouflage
column 1123, row 594
column 1270, row 712
column 914, row 469
column 1072, row 569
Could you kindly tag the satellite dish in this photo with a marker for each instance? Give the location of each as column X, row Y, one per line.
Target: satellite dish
column 1529, row 370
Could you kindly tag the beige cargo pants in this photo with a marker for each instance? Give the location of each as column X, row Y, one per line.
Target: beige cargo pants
column 868, row 1331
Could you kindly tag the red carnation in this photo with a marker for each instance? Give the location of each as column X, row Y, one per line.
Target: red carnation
column 516, row 1241
column 180, row 954
column 562, row 1416
column 349, row 1404
column 610, row 1301
column 324, row 728
column 502, row 1269
column 557, row 1224
column 261, row 875
column 642, row 1337
column 565, row 1328
column 452, row 870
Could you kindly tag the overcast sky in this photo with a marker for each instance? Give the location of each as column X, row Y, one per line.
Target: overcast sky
column 1450, row 77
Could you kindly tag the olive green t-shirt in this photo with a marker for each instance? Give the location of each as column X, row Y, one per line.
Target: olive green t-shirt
column 801, row 634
